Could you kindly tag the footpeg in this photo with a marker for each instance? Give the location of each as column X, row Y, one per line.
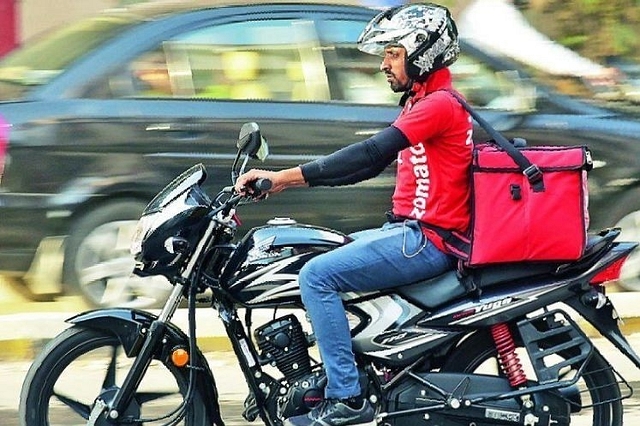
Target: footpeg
column 251, row 411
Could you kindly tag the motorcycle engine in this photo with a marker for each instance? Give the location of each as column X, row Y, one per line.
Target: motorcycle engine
column 283, row 344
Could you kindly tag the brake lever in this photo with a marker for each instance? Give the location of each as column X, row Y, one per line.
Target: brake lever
column 257, row 191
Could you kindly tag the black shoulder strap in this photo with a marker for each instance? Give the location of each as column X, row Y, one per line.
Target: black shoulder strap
column 531, row 171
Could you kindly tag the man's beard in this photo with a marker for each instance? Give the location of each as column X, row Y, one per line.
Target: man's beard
column 398, row 87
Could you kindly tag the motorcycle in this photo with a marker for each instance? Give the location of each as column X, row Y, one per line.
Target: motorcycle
column 431, row 353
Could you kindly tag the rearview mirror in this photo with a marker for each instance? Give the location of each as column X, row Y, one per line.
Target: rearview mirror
column 251, row 142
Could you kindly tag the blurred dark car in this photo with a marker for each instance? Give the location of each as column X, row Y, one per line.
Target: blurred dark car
column 105, row 112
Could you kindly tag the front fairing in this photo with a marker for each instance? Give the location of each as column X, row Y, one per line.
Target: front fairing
column 171, row 225
column 193, row 176
column 263, row 271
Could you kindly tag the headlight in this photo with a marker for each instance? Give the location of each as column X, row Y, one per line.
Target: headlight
column 143, row 227
column 170, row 225
column 150, row 222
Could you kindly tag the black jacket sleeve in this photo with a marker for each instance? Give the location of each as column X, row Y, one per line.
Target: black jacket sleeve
column 356, row 162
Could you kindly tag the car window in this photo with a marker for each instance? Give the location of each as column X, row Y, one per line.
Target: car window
column 353, row 76
column 289, row 60
column 485, row 87
column 43, row 58
column 275, row 60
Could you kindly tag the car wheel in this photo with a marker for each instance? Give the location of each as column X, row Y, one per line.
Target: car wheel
column 630, row 274
column 98, row 263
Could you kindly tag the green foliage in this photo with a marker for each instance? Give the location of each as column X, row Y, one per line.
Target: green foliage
column 596, row 29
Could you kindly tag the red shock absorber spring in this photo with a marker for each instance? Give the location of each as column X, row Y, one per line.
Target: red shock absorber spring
column 507, row 356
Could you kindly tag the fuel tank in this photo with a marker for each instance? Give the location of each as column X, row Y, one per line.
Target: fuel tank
column 263, row 270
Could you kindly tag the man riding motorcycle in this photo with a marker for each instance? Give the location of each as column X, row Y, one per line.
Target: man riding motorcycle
column 431, row 140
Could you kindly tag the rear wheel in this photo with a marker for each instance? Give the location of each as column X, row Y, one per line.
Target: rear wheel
column 81, row 365
column 599, row 391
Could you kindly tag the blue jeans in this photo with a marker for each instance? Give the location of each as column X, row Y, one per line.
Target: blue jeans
column 392, row 256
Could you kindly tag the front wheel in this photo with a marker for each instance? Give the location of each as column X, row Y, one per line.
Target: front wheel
column 82, row 365
column 599, row 393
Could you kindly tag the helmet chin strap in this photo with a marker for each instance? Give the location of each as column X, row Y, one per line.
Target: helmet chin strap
column 407, row 87
column 407, row 92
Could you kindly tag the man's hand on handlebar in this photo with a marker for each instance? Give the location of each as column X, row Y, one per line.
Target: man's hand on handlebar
column 255, row 181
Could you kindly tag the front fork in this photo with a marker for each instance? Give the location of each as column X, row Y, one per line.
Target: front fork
column 151, row 340
column 154, row 336
column 141, row 363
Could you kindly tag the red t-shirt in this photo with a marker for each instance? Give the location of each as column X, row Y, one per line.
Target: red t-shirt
column 432, row 183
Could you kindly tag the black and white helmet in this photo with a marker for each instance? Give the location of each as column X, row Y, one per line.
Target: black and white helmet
column 427, row 32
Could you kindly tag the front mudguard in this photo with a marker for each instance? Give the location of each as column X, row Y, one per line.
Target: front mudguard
column 130, row 327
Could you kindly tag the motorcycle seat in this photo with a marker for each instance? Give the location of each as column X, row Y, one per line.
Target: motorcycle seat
column 504, row 273
column 436, row 291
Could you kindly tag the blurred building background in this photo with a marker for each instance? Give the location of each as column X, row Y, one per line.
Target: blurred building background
column 601, row 30
column 23, row 19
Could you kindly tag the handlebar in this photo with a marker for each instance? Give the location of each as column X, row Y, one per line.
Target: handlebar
column 256, row 190
column 259, row 186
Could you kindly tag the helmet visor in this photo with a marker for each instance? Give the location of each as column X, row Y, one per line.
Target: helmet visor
column 379, row 33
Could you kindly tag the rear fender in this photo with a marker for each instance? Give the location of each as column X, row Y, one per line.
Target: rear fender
column 130, row 327
column 605, row 319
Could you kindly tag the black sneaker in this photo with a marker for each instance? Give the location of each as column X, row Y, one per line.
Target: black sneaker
column 334, row 412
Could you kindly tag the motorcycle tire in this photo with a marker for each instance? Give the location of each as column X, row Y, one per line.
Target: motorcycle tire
column 80, row 365
column 598, row 384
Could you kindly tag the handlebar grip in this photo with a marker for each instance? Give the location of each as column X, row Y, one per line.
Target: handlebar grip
column 262, row 184
column 259, row 186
